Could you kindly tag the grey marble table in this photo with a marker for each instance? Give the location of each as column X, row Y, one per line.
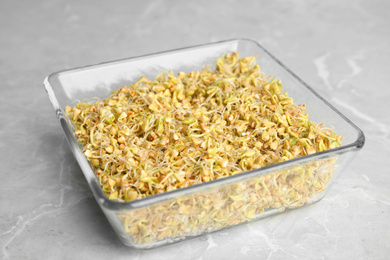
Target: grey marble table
column 340, row 48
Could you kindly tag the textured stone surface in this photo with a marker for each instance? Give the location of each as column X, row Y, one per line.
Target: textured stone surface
column 340, row 48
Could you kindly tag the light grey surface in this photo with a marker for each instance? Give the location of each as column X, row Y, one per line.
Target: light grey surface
column 340, row 48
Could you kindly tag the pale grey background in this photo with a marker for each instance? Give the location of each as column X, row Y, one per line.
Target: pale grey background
column 340, row 48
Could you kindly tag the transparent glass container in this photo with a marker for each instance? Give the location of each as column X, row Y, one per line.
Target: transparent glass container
column 195, row 210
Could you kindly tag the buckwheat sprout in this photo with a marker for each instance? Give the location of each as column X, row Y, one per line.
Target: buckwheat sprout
column 159, row 135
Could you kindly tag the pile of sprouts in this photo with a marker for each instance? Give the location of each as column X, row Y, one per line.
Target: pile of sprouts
column 171, row 132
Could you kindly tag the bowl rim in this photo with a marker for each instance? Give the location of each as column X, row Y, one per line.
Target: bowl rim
column 106, row 203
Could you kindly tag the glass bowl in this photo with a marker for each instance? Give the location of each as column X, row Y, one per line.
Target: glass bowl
column 195, row 210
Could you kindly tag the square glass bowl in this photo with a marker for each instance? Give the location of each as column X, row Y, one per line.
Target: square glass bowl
column 175, row 215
